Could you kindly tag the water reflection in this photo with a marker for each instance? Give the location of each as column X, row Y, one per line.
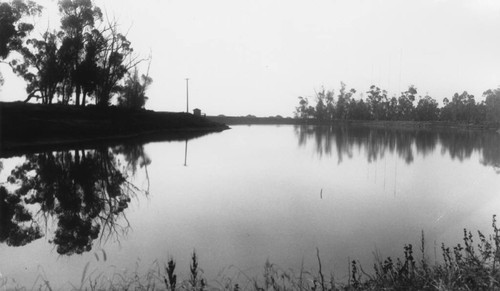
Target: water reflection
column 185, row 153
column 17, row 228
column 84, row 191
column 405, row 142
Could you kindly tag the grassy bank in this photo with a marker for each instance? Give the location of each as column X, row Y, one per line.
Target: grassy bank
column 473, row 264
column 25, row 126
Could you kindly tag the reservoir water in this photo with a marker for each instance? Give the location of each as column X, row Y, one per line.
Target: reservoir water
column 241, row 197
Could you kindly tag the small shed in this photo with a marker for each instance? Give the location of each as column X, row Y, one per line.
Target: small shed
column 197, row 112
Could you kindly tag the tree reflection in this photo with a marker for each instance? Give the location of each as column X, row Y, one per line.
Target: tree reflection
column 85, row 191
column 17, row 227
column 460, row 146
column 134, row 156
column 405, row 142
column 491, row 151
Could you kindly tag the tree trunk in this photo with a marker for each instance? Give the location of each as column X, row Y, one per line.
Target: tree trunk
column 31, row 95
column 78, row 92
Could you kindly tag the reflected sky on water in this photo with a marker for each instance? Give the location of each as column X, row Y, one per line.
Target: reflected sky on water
column 243, row 196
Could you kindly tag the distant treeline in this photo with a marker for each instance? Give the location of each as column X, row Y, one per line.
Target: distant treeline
column 86, row 60
column 377, row 105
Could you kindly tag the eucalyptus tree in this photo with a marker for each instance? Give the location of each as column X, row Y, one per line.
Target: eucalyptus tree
column 343, row 109
column 446, row 113
column 304, row 110
column 392, row 108
column 492, row 104
column 115, row 58
column 359, row 110
column 12, row 29
column 57, row 63
column 470, row 108
column 87, row 72
column 427, row 109
column 330, row 105
column 405, row 104
column 98, row 57
column 133, row 93
column 320, row 109
column 377, row 101
column 461, row 108
column 87, row 56
column 40, row 67
column 459, row 103
column 78, row 19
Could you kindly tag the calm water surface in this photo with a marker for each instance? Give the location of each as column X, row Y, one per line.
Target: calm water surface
column 244, row 196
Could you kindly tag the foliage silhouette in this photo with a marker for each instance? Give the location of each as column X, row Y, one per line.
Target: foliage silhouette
column 86, row 57
column 133, row 93
column 12, row 29
column 462, row 108
column 493, row 104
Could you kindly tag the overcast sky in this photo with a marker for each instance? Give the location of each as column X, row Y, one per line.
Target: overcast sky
column 256, row 57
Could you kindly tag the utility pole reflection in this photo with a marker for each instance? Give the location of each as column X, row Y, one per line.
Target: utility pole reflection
column 185, row 153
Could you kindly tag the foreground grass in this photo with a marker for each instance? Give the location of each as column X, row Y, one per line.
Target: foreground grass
column 473, row 265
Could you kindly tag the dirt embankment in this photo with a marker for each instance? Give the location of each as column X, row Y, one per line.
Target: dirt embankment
column 32, row 125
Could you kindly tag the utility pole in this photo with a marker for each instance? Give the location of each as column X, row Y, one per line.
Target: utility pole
column 187, row 95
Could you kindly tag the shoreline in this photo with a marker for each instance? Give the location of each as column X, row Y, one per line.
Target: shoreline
column 29, row 127
column 26, row 127
column 17, row 148
column 245, row 120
